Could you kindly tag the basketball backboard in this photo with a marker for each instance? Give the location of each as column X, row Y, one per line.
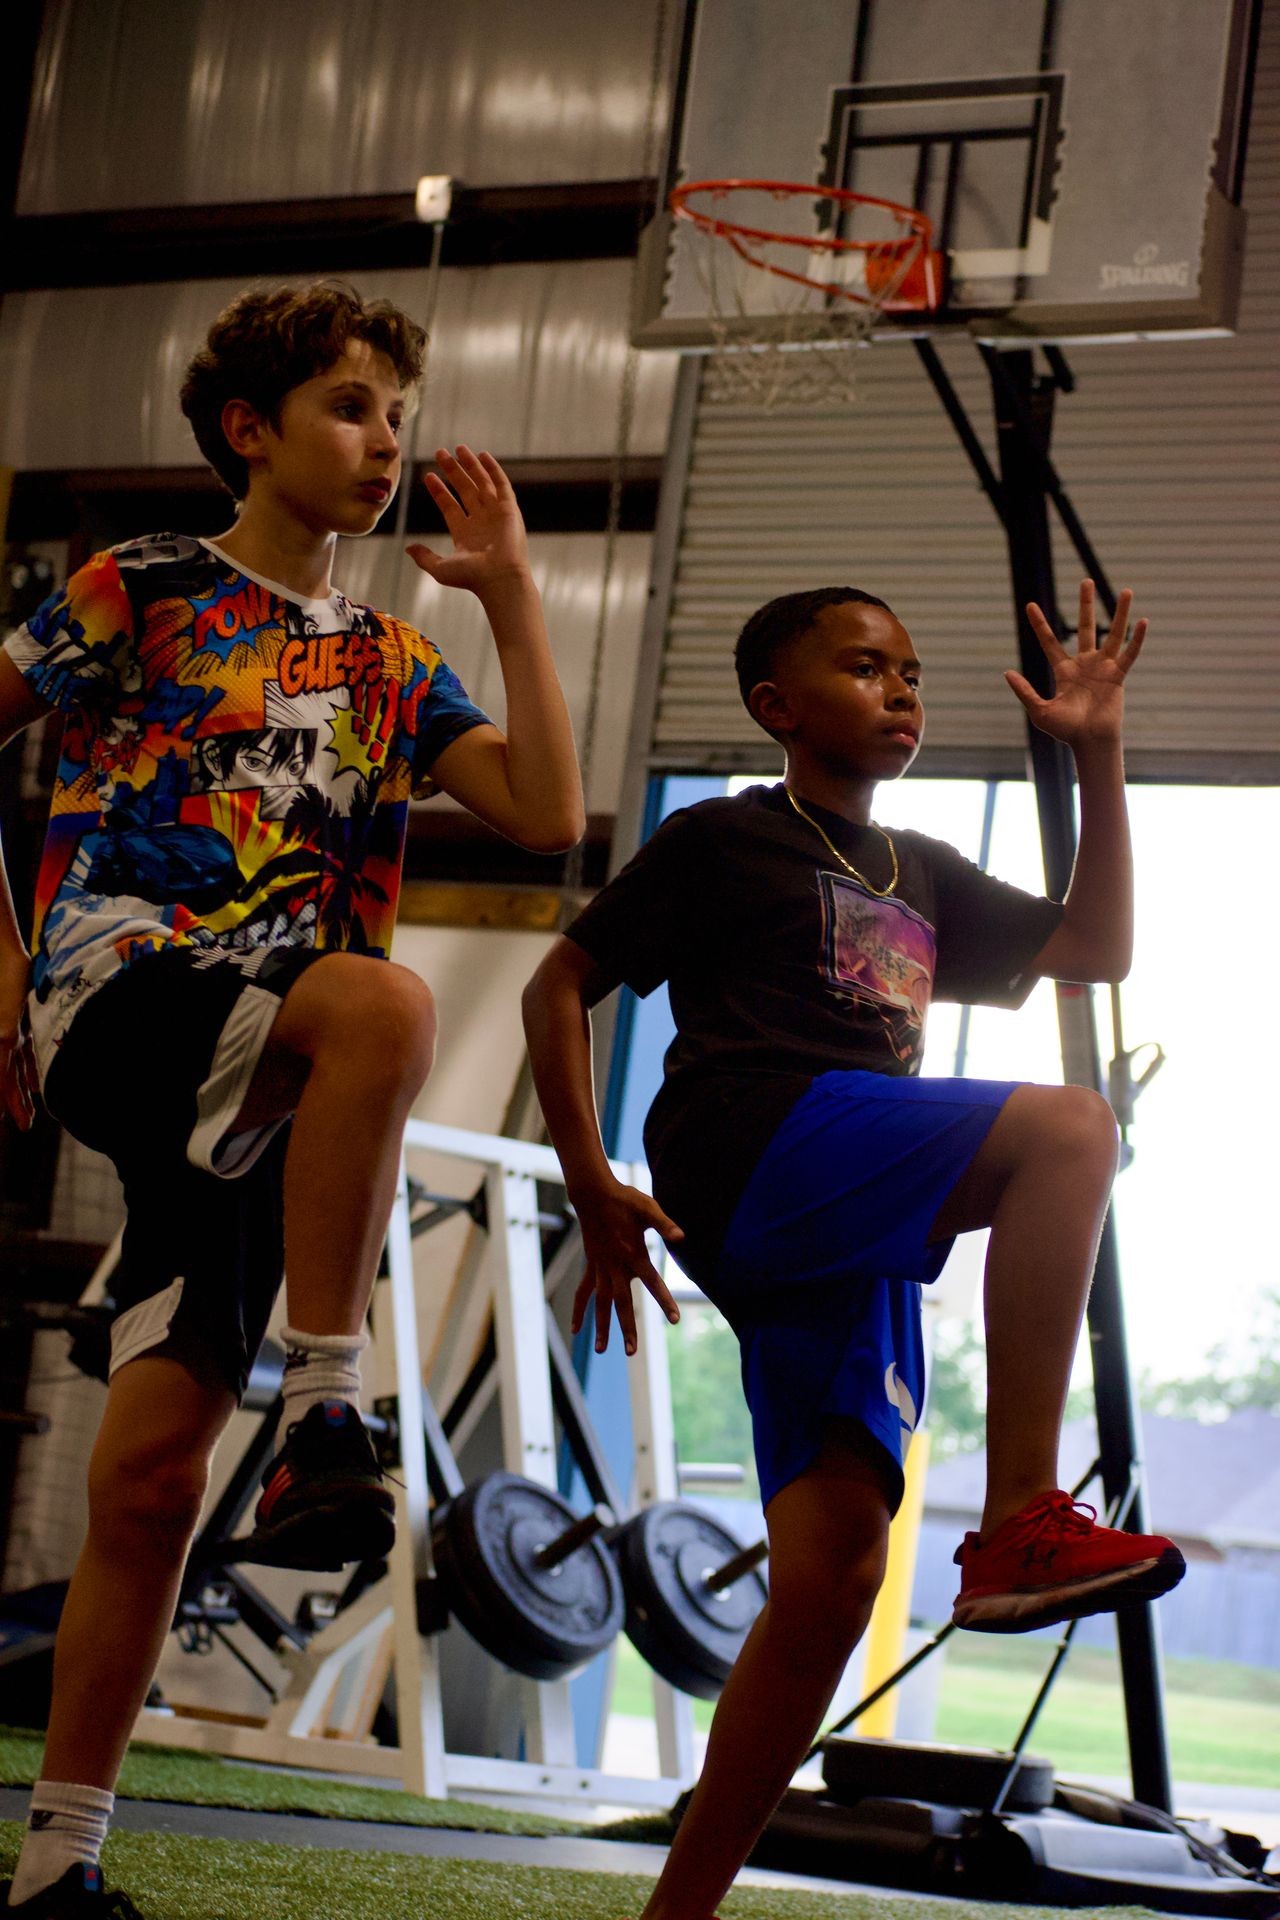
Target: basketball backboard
column 1080, row 159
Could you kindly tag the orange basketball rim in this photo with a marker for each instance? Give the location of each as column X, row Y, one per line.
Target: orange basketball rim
column 901, row 271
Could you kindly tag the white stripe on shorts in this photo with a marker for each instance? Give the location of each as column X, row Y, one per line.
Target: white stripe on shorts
column 212, row 1146
column 144, row 1326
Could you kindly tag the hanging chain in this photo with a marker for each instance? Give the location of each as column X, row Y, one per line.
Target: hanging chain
column 409, row 452
column 575, row 860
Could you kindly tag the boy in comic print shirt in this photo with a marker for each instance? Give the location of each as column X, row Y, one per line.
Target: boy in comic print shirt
column 236, row 767
column 211, row 1001
column 810, row 1181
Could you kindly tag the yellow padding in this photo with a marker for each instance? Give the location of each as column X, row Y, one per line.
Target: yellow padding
column 886, row 1636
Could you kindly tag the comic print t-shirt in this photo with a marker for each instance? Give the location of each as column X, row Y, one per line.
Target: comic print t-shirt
column 236, row 766
column 782, row 966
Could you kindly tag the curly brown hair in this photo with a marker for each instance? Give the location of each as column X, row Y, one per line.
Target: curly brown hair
column 270, row 340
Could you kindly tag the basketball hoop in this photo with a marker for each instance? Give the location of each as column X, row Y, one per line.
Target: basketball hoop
column 828, row 289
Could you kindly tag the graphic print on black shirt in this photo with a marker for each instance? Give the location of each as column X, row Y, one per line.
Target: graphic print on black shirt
column 877, row 950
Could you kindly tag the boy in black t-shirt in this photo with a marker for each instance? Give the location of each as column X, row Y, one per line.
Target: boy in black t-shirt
column 810, row 1181
column 211, row 999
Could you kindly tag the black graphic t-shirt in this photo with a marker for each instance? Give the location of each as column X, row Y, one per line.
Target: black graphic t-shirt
column 782, row 966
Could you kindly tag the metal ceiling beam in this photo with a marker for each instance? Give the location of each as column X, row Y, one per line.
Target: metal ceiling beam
column 568, row 495
column 487, row 226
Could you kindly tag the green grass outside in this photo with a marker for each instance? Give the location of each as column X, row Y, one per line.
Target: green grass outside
column 633, row 1688
column 172, row 1878
column 1224, row 1720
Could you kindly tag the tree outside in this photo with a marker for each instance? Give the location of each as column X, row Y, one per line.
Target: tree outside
column 1233, row 1378
column 712, row 1422
column 1246, row 1376
column 707, row 1401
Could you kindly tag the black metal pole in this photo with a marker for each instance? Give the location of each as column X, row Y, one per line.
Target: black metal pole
column 1024, row 424
column 1013, row 399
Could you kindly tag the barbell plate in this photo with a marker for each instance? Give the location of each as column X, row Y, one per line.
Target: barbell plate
column 543, row 1622
column 731, row 1611
column 573, row 1537
column 687, row 1633
column 575, row 1587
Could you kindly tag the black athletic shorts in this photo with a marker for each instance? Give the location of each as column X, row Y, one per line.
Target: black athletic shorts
column 153, row 1070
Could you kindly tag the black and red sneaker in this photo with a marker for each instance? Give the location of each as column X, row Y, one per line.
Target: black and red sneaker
column 1052, row 1562
column 323, row 1501
column 78, row 1895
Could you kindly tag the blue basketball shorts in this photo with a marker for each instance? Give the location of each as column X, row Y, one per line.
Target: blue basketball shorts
column 827, row 1251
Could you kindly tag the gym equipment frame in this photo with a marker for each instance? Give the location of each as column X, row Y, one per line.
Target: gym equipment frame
column 333, row 1672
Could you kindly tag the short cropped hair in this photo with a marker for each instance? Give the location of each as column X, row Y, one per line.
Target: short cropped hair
column 270, row 340
column 776, row 625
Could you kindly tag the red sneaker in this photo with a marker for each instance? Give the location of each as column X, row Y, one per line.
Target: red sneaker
column 1052, row 1562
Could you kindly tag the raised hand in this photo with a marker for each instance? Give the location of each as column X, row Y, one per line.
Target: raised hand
column 1088, row 696
column 483, row 518
column 17, row 1059
column 614, row 1222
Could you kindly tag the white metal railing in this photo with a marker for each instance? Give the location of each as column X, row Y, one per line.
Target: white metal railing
column 338, row 1665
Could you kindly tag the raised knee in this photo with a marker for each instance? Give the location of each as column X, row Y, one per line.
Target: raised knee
column 1074, row 1121
column 1086, row 1122
column 383, row 1017
column 404, row 1013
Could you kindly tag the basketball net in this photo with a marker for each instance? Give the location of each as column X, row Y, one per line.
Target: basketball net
column 788, row 313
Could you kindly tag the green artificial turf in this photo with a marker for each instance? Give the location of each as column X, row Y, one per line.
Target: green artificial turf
column 172, row 1878
column 206, row 1780
column 642, row 1829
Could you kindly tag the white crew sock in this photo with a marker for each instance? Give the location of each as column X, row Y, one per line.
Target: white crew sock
column 66, row 1824
column 319, row 1367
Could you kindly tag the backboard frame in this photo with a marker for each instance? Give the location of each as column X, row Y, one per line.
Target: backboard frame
column 998, row 293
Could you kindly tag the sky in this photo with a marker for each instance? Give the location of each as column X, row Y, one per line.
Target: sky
column 1193, row 1210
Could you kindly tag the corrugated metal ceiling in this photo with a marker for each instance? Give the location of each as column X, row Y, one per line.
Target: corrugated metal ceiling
column 140, row 103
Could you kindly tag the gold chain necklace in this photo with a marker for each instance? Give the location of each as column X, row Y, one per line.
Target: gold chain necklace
column 881, row 893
